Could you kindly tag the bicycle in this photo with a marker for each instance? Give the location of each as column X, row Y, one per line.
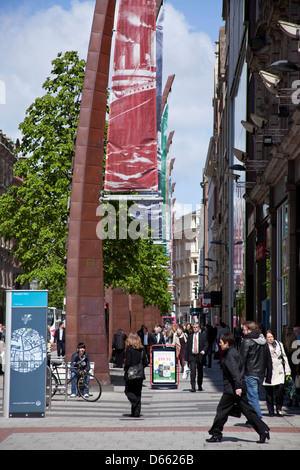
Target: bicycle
column 89, row 390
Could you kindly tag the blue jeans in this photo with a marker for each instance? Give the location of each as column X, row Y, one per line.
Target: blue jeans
column 253, row 384
column 73, row 383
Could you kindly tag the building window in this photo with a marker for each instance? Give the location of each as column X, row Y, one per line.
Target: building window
column 195, row 267
column 282, row 267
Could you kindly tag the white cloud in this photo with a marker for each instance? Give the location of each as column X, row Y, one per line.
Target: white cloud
column 190, row 55
column 29, row 44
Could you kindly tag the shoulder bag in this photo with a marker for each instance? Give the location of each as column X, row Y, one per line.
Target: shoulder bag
column 137, row 371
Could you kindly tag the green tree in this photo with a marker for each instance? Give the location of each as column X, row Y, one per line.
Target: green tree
column 35, row 214
column 135, row 264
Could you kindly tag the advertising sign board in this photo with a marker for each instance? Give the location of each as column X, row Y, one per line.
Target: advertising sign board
column 26, row 354
column 164, row 370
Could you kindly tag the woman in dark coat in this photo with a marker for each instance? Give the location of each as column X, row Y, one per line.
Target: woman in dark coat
column 234, row 392
column 133, row 388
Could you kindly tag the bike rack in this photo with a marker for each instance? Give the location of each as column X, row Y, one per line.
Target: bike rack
column 63, row 374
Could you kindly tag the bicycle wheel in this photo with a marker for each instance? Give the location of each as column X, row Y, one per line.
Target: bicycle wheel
column 90, row 392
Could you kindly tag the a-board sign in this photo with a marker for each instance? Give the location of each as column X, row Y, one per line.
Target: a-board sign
column 164, row 370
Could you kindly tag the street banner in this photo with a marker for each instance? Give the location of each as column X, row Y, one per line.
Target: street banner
column 164, row 369
column 131, row 157
column 159, row 64
column 25, row 354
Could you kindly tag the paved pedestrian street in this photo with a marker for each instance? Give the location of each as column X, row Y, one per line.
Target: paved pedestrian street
column 172, row 421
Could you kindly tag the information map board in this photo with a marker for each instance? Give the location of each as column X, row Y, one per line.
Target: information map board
column 25, row 354
column 164, row 368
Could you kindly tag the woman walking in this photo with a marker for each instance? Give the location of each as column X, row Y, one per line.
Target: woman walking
column 135, row 354
column 180, row 339
column 234, row 392
column 280, row 369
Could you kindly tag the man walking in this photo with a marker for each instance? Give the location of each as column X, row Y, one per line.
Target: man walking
column 196, row 348
column 257, row 362
column 118, row 346
column 60, row 339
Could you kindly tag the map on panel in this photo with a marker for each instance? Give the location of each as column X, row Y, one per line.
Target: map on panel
column 28, row 350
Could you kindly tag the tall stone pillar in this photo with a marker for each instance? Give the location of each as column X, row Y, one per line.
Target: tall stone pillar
column 85, row 317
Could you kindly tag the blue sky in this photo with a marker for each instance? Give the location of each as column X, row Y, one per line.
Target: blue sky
column 33, row 32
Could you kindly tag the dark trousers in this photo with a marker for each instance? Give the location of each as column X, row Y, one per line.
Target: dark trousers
column 196, row 368
column 223, row 411
column 119, row 355
column 133, row 391
column 279, row 395
column 61, row 348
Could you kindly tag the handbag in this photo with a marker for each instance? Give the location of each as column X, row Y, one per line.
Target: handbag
column 137, row 371
column 289, row 387
column 235, row 411
column 289, row 384
column 186, row 371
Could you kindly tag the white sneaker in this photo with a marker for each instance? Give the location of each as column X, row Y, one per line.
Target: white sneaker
column 73, row 395
column 86, row 395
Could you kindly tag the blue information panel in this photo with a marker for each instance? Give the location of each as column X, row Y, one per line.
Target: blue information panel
column 26, row 354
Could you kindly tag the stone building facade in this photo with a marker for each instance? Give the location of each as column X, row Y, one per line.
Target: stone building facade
column 255, row 222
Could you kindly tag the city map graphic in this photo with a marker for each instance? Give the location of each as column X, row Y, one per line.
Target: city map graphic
column 28, row 350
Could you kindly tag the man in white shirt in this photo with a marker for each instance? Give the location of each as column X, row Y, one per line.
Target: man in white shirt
column 60, row 339
column 196, row 348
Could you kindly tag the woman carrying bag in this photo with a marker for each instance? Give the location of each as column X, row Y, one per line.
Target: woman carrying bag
column 280, row 370
column 135, row 362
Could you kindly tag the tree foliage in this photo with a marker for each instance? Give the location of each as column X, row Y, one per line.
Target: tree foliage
column 35, row 214
column 136, row 264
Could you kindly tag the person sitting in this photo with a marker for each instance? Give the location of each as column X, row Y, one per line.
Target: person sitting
column 79, row 360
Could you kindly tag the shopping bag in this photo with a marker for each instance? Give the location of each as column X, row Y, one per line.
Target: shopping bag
column 289, row 387
column 186, row 371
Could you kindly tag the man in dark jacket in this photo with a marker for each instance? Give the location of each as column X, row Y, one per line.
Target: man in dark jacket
column 118, row 346
column 257, row 362
column 60, row 339
column 196, row 348
column 234, row 392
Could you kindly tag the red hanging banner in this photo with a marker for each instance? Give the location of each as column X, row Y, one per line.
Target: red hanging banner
column 131, row 157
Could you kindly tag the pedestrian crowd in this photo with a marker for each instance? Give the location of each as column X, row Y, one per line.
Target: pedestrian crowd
column 250, row 358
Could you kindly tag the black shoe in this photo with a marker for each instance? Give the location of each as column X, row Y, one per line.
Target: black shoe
column 136, row 412
column 263, row 437
column 193, row 389
column 200, row 389
column 214, row 439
